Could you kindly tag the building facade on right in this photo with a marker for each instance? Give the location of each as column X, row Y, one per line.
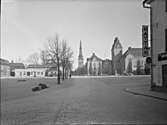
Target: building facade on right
column 158, row 38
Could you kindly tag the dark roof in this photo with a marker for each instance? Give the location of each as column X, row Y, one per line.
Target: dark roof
column 36, row 66
column 147, row 1
column 94, row 56
column 107, row 60
column 17, row 66
column 116, row 42
column 52, row 69
column 133, row 51
column 42, row 66
column 4, row 61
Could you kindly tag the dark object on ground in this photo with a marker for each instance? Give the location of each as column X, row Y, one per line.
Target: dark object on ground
column 37, row 88
column 43, row 86
column 21, row 80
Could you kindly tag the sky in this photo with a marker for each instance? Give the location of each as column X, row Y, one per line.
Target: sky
column 26, row 26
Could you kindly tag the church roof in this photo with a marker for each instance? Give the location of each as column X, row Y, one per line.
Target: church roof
column 133, row 51
column 148, row 1
column 116, row 42
column 94, row 56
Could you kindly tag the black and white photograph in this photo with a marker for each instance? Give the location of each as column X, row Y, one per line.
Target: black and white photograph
column 83, row 62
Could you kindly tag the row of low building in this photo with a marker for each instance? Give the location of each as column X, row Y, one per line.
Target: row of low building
column 20, row 70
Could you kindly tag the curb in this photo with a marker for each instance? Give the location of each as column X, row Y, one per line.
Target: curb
column 147, row 95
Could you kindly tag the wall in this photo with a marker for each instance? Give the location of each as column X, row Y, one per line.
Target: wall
column 95, row 64
column 159, row 23
column 5, row 70
column 134, row 62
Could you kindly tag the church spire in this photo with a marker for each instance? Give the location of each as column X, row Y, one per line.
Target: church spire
column 80, row 50
column 80, row 57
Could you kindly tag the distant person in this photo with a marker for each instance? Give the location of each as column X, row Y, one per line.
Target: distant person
column 70, row 75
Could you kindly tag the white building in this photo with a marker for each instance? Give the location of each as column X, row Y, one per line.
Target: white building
column 158, row 23
column 94, row 65
column 31, row 71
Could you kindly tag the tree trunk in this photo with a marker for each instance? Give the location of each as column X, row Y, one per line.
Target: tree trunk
column 63, row 72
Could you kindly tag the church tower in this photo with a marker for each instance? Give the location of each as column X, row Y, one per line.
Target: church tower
column 116, row 52
column 80, row 57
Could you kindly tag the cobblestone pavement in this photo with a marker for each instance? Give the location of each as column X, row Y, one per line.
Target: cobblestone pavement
column 81, row 100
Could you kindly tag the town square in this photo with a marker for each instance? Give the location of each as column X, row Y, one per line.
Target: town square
column 80, row 62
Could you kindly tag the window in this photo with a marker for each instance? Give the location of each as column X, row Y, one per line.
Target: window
column 28, row 73
column 166, row 40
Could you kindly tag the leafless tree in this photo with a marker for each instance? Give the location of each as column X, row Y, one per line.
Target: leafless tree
column 59, row 53
column 66, row 58
column 33, row 58
column 53, row 53
column 44, row 57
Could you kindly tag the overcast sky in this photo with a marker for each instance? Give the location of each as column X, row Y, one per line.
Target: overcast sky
column 27, row 24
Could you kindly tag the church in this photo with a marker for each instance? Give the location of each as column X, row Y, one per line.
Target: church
column 94, row 65
column 130, row 62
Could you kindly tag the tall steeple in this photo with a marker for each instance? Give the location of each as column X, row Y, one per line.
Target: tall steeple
column 80, row 49
column 80, row 57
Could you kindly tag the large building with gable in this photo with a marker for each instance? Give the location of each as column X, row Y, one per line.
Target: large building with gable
column 116, row 52
column 134, row 62
column 94, row 65
column 131, row 61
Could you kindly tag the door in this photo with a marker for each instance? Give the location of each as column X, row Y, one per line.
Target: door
column 28, row 73
column 164, row 75
column 34, row 74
